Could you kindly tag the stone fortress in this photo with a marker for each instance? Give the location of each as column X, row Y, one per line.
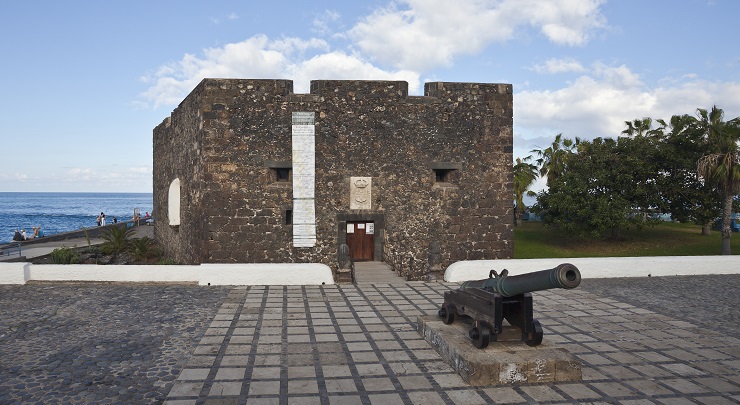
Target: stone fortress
column 246, row 171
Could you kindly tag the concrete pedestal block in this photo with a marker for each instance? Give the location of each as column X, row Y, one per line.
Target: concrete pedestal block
column 506, row 362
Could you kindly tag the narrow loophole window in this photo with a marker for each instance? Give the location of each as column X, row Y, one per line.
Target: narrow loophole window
column 288, row 217
column 282, row 174
column 442, row 175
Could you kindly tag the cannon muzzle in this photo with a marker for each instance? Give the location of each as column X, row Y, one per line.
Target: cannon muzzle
column 565, row 275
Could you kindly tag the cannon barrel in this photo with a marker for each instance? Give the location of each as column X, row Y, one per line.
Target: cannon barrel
column 565, row 275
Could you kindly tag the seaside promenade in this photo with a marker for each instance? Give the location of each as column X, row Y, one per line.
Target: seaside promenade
column 43, row 246
column 659, row 340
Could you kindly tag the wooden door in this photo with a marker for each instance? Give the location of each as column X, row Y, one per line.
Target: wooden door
column 361, row 240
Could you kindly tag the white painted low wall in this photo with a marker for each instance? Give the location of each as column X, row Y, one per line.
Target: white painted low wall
column 13, row 273
column 127, row 273
column 265, row 274
column 204, row 274
column 313, row 273
column 601, row 267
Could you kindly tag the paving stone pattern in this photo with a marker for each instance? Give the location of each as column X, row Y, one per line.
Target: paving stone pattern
column 348, row 344
column 357, row 344
column 96, row 343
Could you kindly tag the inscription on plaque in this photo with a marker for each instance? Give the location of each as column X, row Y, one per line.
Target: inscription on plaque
column 304, row 179
column 360, row 193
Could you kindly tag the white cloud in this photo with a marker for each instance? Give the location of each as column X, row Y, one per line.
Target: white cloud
column 411, row 35
column 340, row 66
column 296, row 46
column 599, row 102
column 261, row 58
column 416, row 35
column 112, row 179
column 687, row 97
column 563, row 22
column 140, row 170
column 217, row 20
column 421, row 34
column 253, row 58
column 14, row 177
column 103, row 178
column 90, row 179
column 619, row 77
column 559, row 65
column 592, row 105
column 80, row 173
column 321, row 24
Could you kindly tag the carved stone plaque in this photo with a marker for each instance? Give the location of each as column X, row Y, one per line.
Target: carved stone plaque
column 360, row 194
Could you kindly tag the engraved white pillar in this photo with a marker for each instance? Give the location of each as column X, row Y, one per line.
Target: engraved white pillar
column 304, row 179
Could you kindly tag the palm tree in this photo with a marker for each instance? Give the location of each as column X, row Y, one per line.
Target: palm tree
column 722, row 166
column 643, row 127
column 690, row 198
column 638, row 127
column 553, row 160
column 117, row 238
column 524, row 175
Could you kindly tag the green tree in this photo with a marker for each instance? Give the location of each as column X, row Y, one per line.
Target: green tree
column 609, row 186
column 525, row 174
column 721, row 166
column 684, row 195
column 553, row 160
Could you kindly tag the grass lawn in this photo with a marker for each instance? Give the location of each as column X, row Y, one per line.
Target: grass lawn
column 534, row 241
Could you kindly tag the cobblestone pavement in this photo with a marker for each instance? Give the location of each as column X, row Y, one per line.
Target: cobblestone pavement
column 708, row 301
column 96, row 343
column 356, row 344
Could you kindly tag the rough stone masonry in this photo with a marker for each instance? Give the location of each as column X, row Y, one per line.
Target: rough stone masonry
column 246, row 171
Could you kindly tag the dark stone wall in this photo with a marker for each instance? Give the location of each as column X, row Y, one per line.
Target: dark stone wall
column 225, row 138
column 178, row 155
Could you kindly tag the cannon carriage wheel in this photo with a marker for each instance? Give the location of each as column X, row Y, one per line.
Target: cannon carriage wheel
column 447, row 313
column 480, row 334
column 534, row 338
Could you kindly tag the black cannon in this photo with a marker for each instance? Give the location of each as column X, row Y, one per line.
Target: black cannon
column 489, row 301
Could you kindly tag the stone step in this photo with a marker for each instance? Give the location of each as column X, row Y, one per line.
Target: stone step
column 376, row 273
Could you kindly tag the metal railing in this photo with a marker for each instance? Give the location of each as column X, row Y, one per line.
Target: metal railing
column 12, row 249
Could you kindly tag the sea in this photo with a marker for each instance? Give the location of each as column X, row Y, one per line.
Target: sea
column 65, row 212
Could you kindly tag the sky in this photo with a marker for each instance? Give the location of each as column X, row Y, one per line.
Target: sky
column 83, row 83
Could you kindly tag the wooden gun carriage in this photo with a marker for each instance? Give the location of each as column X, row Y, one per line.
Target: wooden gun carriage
column 489, row 301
